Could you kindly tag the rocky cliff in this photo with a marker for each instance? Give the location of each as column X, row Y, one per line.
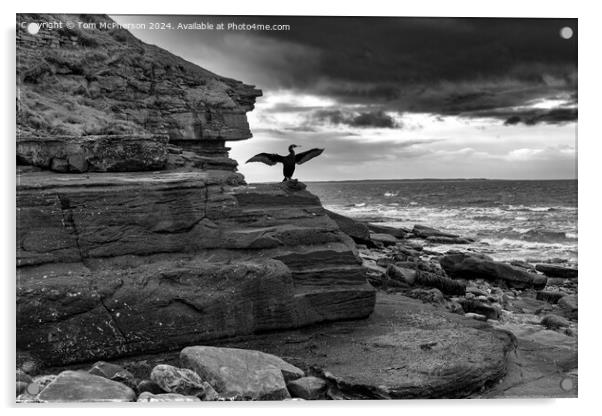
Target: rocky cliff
column 105, row 82
column 134, row 231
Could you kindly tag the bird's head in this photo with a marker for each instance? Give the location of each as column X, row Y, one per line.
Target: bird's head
column 291, row 147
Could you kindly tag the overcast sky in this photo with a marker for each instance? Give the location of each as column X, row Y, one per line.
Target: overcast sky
column 398, row 97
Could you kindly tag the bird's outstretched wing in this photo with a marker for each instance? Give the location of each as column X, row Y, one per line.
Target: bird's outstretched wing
column 308, row 155
column 267, row 158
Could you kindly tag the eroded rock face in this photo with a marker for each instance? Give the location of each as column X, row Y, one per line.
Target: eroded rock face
column 103, row 81
column 94, row 153
column 134, row 232
column 72, row 316
column 113, row 264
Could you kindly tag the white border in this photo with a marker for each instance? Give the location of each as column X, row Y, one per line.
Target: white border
column 589, row 154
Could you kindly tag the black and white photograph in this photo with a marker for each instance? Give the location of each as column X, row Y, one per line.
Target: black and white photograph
column 227, row 208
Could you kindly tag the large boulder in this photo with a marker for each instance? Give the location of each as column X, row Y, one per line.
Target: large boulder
column 384, row 239
column 241, row 374
column 396, row 232
column 80, row 386
column 424, row 232
column 467, row 266
column 444, row 284
column 553, row 270
column 354, row 229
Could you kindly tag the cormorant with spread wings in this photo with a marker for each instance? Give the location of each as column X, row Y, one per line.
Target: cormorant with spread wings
column 289, row 161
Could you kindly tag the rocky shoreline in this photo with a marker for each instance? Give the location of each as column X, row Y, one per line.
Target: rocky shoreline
column 514, row 330
column 536, row 302
column 148, row 270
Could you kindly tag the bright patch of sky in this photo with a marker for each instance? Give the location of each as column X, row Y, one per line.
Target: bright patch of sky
column 422, row 145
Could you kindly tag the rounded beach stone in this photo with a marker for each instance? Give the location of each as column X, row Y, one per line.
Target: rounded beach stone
column 178, row 380
column 240, row 373
column 80, row 386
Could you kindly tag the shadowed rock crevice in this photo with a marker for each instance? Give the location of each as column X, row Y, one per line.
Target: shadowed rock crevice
column 113, row 319
column 69, row 223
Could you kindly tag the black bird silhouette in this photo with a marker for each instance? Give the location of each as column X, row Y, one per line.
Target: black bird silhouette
column 289, row 161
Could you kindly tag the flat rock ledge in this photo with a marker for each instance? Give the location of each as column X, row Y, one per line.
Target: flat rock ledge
column 116, row 264
column 405, row 350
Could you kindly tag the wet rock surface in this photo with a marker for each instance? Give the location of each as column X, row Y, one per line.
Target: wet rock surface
column 381, row 357
column 406, row 349
column 542, row 320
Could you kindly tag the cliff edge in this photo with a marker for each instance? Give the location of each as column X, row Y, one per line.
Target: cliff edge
column 135, row 233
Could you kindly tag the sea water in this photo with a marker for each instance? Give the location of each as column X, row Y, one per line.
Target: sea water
column 528, row 220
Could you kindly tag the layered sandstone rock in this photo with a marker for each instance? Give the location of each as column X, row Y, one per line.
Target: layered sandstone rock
column 136, row 262
column 94, row 153
column 134, row 232
column 103, row 82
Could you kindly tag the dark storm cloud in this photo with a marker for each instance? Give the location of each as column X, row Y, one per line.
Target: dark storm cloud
column 554, row 116
column 450, row 66
column 397, row 51
column 362, row 119
column 442, row 65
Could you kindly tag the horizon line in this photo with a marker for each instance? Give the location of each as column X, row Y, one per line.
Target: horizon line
column 426, row 179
